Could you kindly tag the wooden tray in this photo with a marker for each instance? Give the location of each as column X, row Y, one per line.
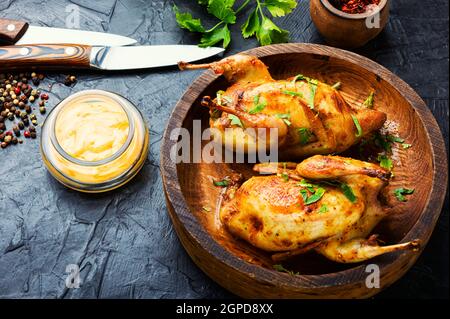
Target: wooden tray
column 247, row 271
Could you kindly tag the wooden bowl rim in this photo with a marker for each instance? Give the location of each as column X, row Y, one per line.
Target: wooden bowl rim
column 353, row 16
column 271, row 277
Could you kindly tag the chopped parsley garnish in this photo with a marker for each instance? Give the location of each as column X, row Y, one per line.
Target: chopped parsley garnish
column 206, row 208
column 308, row 185
column 348, row 192
column 323, row 209
column 406, row 146
column 385, row 162
column 292, row 93
column 394, row 139
column 299, row 77
column 305, row 135
column 280, row 268
column 359, row 131
column 258, row 106
column 316, row 196
column 235, row 120
column 219, row 95
column 285, row 118
column 369, row 101
column 401, row 192
column 285, row 176
column 313, row 83
column 222, row 99
column 222, row 183
column 382, row 142
column 256, row 99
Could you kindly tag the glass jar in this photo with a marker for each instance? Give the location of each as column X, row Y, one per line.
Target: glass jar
column 94, row 141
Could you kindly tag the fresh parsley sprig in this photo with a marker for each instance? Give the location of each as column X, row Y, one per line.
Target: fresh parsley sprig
column 257, row 24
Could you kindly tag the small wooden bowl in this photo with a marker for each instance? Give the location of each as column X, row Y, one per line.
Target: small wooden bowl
column 346, row 30
column 192, row 200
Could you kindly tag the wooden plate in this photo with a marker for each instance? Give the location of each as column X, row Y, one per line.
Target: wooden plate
column 247, row 271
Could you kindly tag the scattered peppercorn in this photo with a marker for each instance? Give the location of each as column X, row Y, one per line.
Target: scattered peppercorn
column 17, row 92
column 70, row 79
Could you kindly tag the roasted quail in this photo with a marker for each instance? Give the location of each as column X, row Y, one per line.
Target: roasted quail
column 311, row 117
column 326, row 203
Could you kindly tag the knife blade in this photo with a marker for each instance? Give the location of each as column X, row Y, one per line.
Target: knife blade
column 74, row 56
column 20, row 33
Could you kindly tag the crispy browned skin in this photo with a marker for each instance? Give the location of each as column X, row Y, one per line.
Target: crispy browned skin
column 330, row 121
column 269, row 212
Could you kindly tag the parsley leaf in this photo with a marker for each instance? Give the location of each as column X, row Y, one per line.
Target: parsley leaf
column 385, row 162
column 313, row 86
column 359, row 131
column 348, row 192
column 306, row 184
column 215, row 36
column 280, row 268
column 285, row 118
column 381, row 141
column 258, row 106
column 186, row 21
column 323, row 209
column 222, row 10
column 400, row 192
column 305, row 135
column 279, row 8
column 292, row 93
column 206, row 208
column 252, row 25
column 369, row 101
column 235, row 120
column 406, row 146
column 256, row 24
column 394, row 139
column 285, row 176
column 222, row 183
column 270, row 33
column 316, row 196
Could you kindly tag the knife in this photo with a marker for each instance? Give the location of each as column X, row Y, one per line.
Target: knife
column 21, row 33
column 74, row 56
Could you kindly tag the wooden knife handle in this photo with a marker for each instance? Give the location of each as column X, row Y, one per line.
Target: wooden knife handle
column 11, row 30
column 45, row 56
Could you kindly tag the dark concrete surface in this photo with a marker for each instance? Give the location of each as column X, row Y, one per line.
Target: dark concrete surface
column 124, row 241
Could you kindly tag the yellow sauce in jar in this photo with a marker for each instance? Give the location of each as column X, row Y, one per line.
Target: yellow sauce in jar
column 92, row 129
column 94, row 141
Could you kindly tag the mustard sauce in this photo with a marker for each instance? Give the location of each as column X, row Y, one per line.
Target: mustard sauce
column 94, row 141
column 92, row 129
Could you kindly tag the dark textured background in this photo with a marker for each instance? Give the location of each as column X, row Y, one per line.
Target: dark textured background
column 124, row 241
